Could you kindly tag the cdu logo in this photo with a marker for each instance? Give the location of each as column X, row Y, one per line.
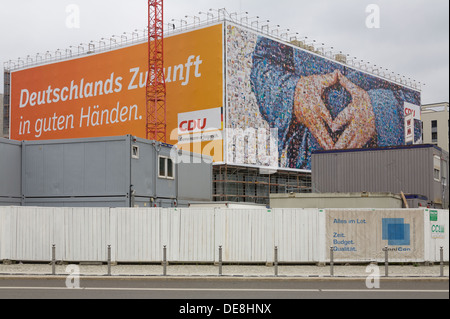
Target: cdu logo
column 396, row 232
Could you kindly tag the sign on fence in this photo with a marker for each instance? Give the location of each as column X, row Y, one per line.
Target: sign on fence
column 361, row 235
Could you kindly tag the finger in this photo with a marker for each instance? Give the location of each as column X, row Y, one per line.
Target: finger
column 349, row 85
column 359, row 139
column 364, row 132
column 325, row 115
column 314, row 113
column 343, row 118
column 320, row 132
column 346, row 138
column 328, row 79
column 355, row 136
column 339, row 74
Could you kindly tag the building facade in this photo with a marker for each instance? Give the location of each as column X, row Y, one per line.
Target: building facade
column 250, row 99
column 419, row 171
column 435, row 119
column 1, row 116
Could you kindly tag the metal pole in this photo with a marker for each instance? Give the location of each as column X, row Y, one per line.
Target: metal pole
column 331, row 261
column 442, row 261
column 386, row 261
column 109, row 260
column 220, row 260
column 276, row 260
column 165, row 261
column 53, row 259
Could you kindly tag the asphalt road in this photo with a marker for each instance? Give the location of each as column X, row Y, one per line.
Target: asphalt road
column 221, row 289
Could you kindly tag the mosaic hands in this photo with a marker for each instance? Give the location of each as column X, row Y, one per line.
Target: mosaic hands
column 311, row 111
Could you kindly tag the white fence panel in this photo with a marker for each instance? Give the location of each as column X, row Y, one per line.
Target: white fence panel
column 137, row 235
column 34, row 234
column 7, row 232
column 244, row 234
column 436, row 234
column 28, row 233
column 196, row 235
column 298, row 235
column 170, row 233
column 86, row 234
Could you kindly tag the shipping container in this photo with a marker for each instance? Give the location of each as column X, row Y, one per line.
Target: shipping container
column 10, row 172
column 121, row 171
column 420, row 170
column 336, row 200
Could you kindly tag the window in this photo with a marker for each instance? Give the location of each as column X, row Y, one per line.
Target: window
column 135, row 151
column 434, row 131
column 166, row 168
column 170, row 168
column 162, row 167
column 434, row 137
column 444, row 173
column 437, row 169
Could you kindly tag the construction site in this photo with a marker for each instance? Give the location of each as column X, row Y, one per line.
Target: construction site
column 224, row 86
column 223, row 140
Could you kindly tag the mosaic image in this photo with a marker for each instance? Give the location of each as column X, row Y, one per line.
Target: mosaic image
column 314, row 103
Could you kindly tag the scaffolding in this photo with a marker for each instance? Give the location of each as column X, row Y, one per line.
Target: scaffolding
column 211, row 17
column 5, row 111
column 250, row 185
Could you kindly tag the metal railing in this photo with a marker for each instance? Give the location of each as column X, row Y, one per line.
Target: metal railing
column 213, row 16
column 275, row 264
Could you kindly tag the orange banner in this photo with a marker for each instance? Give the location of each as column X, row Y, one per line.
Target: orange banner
column 104, row 94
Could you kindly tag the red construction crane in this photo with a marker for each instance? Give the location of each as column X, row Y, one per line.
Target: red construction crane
column 156, row 125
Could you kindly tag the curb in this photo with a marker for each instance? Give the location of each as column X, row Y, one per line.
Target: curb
column 221, row 278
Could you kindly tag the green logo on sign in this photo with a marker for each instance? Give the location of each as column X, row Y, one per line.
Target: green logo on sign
column 433, row 215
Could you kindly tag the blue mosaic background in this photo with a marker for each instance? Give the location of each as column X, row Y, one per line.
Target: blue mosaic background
column 275, row 72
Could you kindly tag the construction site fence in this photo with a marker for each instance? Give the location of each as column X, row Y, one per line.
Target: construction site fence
column 187, row 235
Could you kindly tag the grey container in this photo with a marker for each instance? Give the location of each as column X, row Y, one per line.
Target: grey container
column 336, row 200
column 94, row 167
column 10, row 172
column 113, row 202
column 118, row 171
column 408, row 169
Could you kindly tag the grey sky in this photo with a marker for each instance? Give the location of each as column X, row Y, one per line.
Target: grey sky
column 413, row 38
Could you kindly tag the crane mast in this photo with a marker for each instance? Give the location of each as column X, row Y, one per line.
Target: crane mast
column 156, row 124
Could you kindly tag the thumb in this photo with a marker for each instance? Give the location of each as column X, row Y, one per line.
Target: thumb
column 342, row 119
column 329, row 79
column 349, row 85
column 325, row 115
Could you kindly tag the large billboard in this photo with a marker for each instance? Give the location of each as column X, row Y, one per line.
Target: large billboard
column 284, row 103
column 104, row 94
